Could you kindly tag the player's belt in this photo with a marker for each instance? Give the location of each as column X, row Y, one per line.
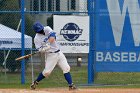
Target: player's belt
column 55, row 51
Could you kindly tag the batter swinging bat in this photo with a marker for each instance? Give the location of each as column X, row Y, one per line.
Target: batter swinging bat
column 26, row 56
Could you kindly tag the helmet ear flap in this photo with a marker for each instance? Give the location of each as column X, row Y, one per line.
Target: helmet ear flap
column 41, row 32
column 37, row 27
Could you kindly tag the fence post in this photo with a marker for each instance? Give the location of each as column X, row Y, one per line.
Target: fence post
column 91, row 42
column 23, row 43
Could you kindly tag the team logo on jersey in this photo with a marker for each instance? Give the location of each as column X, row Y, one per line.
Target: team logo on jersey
column 71, row 32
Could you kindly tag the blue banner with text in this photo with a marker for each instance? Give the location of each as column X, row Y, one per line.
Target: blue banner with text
column 117, row 35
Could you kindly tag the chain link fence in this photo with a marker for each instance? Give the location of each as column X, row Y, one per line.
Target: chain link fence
column 43, row 11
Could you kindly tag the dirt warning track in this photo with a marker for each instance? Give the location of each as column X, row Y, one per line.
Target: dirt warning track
column 81, row 90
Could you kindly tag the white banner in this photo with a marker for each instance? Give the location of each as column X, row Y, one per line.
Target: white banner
column 72, row 33
column 15, row 43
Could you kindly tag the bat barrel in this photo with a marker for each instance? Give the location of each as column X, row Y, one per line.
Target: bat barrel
column 26, row 56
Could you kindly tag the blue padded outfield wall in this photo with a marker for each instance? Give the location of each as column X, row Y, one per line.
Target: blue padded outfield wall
column 117, row 29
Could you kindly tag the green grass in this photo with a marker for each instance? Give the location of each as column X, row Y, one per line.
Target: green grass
column 56, row 79
column 79, row 75
column 116, row 78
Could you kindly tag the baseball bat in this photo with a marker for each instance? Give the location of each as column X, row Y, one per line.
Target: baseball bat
column 26, row 56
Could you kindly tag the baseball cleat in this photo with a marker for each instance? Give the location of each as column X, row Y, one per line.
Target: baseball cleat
column 33, row 85
column 72, row 87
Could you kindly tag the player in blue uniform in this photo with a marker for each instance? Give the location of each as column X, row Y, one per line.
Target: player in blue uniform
column 45, row 41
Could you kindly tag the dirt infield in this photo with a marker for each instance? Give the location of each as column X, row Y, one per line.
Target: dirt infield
column 61, row 90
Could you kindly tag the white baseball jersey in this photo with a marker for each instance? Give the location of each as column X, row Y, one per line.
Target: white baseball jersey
column 40, row 40
column 52, row 58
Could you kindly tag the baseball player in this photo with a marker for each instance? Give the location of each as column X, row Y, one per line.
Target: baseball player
column 45, row 41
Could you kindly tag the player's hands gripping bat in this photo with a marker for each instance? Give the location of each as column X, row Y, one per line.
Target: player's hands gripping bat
column 26, row 56
column 43, row 48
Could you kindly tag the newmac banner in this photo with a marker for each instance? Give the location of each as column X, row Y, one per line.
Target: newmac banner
column 73, row 33
column 118, row 35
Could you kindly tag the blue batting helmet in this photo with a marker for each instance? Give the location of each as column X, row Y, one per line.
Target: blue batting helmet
column 38, row 27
